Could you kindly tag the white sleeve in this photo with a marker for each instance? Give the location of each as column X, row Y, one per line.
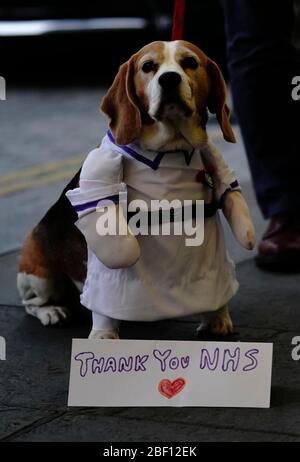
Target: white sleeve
column 100, row 181
column 224, row 177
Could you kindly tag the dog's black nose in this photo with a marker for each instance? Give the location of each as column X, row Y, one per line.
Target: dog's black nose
column 169, row 80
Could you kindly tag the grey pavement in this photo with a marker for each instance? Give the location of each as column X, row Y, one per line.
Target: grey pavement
column 43, row 124
column 38, row 126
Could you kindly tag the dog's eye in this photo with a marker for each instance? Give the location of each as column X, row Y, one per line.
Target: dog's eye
column 189, row 63
column 148, row 66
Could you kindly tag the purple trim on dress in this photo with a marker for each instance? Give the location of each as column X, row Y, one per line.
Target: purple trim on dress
column 234, row 184
column 154, row 164
column 94, row 204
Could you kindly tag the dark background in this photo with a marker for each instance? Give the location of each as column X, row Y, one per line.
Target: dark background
column 86, row 55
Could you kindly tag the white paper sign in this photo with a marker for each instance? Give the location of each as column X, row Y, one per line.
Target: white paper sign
column 170, row 373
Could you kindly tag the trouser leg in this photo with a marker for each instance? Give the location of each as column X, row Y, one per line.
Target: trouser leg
column 262, row 62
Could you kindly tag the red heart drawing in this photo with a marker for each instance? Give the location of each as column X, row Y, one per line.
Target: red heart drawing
column 170, row 389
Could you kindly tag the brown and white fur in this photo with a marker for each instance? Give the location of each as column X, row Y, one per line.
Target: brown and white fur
column 162, row 116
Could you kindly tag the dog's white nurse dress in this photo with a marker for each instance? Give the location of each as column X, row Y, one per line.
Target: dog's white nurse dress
column 170, row 279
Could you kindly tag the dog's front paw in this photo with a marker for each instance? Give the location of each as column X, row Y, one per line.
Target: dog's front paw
column 104, row 334
column 218, row 323
column 49, row 315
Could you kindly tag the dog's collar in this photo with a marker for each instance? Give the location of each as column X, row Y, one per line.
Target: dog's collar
column 153, row 163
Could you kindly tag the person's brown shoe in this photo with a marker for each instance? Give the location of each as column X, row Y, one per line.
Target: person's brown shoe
column 279, row 249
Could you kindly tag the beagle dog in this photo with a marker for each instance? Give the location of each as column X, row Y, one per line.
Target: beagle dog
column 157, row 147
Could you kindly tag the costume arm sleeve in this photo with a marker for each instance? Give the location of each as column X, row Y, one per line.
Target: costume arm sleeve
column 100, row 182
column 223, row 176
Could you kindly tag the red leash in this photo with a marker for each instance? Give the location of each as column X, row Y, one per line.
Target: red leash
column 178, row 20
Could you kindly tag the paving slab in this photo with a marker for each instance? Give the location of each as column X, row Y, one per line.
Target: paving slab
column 72, row 427
column 16, row 419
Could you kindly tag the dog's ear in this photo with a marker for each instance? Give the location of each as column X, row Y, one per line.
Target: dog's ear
column 119, row 104
column 217, row 100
